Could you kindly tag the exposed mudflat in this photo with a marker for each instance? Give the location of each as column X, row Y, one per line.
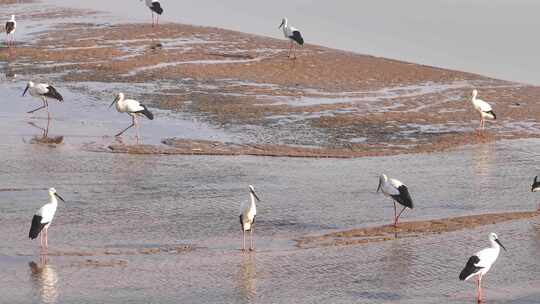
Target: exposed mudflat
column 139, row 226
column 342, row 103
column 410, row 229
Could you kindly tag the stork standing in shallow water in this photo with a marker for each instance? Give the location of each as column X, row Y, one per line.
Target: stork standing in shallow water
column 155, row 7
column 398, row 192
column 480, row 263
column 483, row 108
column 43, row 218
column 42, row 91
column 133, row 108
column 11, row 26
column 248, row 211
column 293, row 34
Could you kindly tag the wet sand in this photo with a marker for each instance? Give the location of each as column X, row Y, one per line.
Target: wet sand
column 344, row 104
column 410, row 229
column 143, row 227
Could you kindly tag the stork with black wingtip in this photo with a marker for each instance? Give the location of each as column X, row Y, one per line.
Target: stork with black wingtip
column 294, row 36
column 398, row 192
column 480, row 263
column 484, row 109
column 42, row 91
column 535, row 187
column 11, row 26
column 133, row 108
column 155, row 7
column 248, row 211
column 43, row 217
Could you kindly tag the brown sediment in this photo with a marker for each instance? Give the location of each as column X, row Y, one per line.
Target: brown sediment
column 410, row 229
column 177, row 146
column 337, row 102
column 96, row 263
column 46, row 140
column 15, row 1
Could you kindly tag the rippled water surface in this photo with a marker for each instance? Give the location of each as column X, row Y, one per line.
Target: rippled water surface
column 140, row 228
column 164, row 229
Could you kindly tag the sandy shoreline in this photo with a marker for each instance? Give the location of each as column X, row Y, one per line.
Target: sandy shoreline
column 410, row 229
column 342, row 104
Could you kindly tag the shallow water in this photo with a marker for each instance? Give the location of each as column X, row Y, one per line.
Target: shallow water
column 143, row 228
column 477, row 36
column 122, row 235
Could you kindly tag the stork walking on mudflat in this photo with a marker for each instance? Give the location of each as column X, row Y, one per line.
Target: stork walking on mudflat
column 294, row 36
column 43, row 218
column 155, row 7
column 483, row 108
column 133, row 108
column 480, row 263
column 248, row 211
column 42, row 91
column 398, row 192
column 11, row 26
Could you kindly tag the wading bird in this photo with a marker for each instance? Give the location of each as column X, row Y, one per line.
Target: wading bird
column 398, row 192
column 535, row 185
column 43, row 218
column 42, row 91
column 155, row 7
column 483, row 108
column 133, row 108
column 11, row 26
column 248, row 211
column 293, row 34
column 480, row 263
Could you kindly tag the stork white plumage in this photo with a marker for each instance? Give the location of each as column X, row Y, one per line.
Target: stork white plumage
column 293, row 34
column 483, row 108
column 248, row 211
column 42, row 91
column 155, row 7
column 398, row 192
column 11, row 26
column 43, row 217
column 480, row 263
column 133, row 108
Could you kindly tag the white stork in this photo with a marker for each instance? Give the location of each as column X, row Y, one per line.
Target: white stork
column 155, row 7
column 293, row 34
column 248, row 211
column 42, row 91
column 398, row 192
column 480, row 263
column 11, row 26
column 133, row 108
column 43, row 217
column 483, row 108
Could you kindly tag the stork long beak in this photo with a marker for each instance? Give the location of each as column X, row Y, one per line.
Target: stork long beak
column 114, row 101
column 57, row 195
column 499, row 242
column 254, row 194
column 282, row 23
column 27, row 87
column 379, row 187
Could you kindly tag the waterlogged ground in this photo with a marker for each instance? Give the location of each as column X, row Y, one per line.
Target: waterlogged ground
column 245, row 84
column 164, row 228
column 140, row 228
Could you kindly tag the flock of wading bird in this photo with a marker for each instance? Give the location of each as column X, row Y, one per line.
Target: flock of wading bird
column 477, row 265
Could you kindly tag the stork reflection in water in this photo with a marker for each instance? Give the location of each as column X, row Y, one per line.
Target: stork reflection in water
column 44, row 280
